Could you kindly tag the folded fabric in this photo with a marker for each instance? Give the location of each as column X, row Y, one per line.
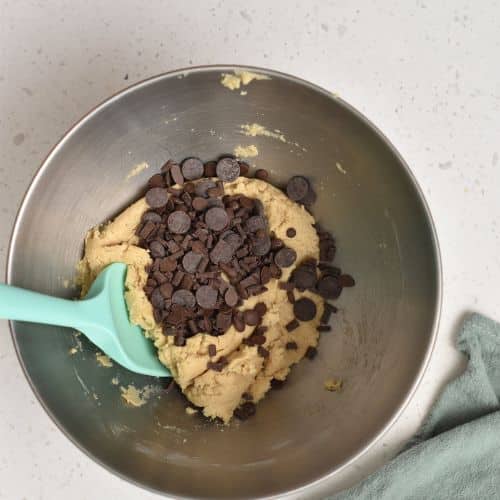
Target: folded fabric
column 456, row 453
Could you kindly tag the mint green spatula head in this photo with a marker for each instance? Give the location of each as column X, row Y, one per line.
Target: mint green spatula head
column 102, row 317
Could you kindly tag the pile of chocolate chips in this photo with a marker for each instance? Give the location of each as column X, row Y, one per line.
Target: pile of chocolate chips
column 195, row 232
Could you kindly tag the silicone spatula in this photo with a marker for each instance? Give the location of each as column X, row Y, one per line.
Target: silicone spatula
column 102, row 317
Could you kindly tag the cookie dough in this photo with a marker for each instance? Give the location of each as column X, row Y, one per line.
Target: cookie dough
column 239, row 78
column 218, row 393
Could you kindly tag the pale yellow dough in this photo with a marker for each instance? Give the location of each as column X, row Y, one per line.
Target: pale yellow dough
column 218, row 393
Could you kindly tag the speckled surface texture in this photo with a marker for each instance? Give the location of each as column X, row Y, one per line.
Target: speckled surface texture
column 424, row 72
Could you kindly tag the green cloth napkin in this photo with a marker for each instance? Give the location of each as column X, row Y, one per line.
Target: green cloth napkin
column 456, row 453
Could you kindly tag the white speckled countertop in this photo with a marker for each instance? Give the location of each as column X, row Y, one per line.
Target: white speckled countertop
column 425, row 72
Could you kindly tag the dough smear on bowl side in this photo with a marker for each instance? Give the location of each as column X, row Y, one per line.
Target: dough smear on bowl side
column 227, row 274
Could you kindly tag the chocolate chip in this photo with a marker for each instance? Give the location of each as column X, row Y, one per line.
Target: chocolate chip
column 184, row 298
column 329, row 287
column 324, row 328
column 261, row 308
column 198, row 247
column 151, row 283
column 244, row 168
column 304, row 277
column 157, row 299
column 239, row 321
column 193, row 327
column 258, row 339
column 290, row 296
column 222, row 252
column 286, row 285
column 223, row 321
column 166, row 290
column 275, row 271
column 159, row 277
column 304, row 309
column 310, row 198
column 209, row 169
column 157, row 197
column 291, row 346
column 227, row 169
column 328, row 309
column 216, row 219
column 327, row 269
column 261, row 246
column 178, row 222
column 311, row 352
column 191, row 261
column 156, row 180
column 277, row 384
column 297, row 188
column 203, row 264
column 291, row 232
column 199, row 204
column 176, row 280
column 187, row 282
column 265, row 275
column 216, row 191
column 151, row 217
column 262, row 352
column 157, row 250
column 206, row 296
column 212, row 350
column 285, row 257
column 218, row 366
column 262, row 174
column 202, row 187
column 346, row 280
column 276, row 244
column 245, row 411
column 168, row 265
column 215, row 202
column 176, row 174
column 192, row 168
column 247, row 396
column 234, row 239
column 231, row 297
column 327, row 250
column 292, row 325
column 179, row 341
column 255, row 223
column 251, row 317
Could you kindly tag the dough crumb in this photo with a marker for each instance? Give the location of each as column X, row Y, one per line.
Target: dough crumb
column 137, row 170
column 133, row 396
column 138, row 397
column 333, row 385
column 103, row 360
column 73, row 351
column 340, row 168
column 246, row 151
column 243, row 92
column 191, row 411
column 234, row 81
column 115, row 381
column 255, row 130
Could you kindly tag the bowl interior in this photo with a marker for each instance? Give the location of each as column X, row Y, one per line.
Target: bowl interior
column 381, row 336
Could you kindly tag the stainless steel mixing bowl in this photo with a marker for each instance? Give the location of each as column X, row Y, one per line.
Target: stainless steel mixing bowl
column 382, row 337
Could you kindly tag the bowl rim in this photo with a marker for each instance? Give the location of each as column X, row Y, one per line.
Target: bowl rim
column 226, row 68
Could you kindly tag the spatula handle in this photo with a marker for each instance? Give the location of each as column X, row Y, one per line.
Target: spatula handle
column 25, row 305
